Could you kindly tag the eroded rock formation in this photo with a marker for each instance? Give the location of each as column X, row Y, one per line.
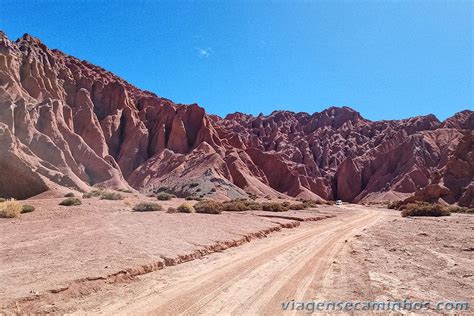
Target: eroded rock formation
column 65, row 122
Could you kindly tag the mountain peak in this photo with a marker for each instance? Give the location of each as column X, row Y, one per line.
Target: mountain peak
column 29, row 39
column 120, row 136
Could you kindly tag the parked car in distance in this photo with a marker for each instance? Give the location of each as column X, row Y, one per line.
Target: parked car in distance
column 338, row 202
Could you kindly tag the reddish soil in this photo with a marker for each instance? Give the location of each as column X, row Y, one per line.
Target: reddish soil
column 56, row 247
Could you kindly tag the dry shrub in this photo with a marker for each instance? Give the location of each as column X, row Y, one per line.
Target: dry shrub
column 298, row 206
column 314, row 203
column 274, row 207
column 72, row 201
column 27, row 208
column 395, row 205
column 428, row 208
column 163, row 196
column 10, row 209
column 252, row 205
column 240, row 205
column 424, row 209
column 208, row 207
column 252, row 196
column 111, row 196
column 193, row 197
column 125, row 190
column 172, row 210
column 185, row 208
column 234, row 206
column 94, row 193
column 147, row 207
column 70, row 194
column 460, row 209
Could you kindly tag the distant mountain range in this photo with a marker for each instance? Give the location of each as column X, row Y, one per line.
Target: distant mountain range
column 67, row 123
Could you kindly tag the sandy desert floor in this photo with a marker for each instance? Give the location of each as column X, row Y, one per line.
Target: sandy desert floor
column 115, row 261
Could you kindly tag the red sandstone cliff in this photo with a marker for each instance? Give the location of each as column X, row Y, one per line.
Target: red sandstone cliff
column 65, row 122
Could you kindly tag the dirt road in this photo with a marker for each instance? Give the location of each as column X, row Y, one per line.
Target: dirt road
column 254, row 279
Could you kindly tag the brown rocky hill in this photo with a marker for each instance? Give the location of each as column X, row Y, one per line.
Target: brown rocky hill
column 65, row 123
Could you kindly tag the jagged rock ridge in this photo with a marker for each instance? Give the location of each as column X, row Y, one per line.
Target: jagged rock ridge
column 65, row 122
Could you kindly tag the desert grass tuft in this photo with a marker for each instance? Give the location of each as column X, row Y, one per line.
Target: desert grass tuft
column 10, row 209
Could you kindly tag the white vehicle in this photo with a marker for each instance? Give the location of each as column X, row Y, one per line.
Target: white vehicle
column 338, row 202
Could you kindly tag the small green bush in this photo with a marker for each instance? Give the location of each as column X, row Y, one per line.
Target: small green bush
column 193, row 185
column 71, row 201
column 424, row 209
column 70, row 194
column 185, row 208
column 274, row 207
column 208, row 207
column 27, row 208
column 147, row 207
column 163, row 196
column 111, row 196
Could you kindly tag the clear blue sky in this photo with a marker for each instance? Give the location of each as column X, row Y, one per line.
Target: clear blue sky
column 386, row 59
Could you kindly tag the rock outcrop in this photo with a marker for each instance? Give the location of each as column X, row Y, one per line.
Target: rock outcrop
column 65, row 122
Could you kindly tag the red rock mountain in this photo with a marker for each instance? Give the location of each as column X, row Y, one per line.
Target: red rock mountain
column 67, row 123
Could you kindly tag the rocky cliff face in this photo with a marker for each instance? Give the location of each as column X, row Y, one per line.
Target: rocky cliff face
column 65, row 122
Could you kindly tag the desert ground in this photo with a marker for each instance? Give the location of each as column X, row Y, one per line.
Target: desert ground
column 103, row 258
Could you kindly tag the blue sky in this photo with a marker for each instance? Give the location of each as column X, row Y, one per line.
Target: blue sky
column 386, row 59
